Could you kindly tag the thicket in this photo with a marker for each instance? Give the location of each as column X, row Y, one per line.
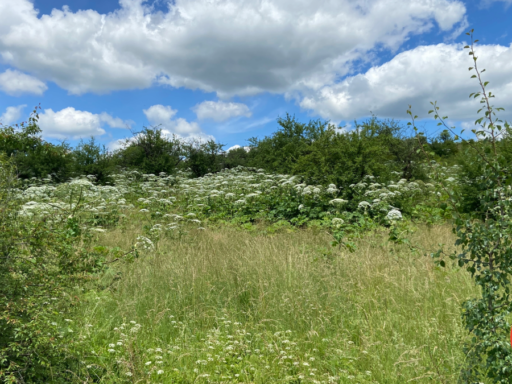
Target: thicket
column 42, row 261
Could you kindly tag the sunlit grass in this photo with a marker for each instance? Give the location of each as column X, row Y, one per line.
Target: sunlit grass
column 225, row 305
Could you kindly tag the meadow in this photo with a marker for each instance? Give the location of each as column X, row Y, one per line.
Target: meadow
column 318, row 256
column 249, row 277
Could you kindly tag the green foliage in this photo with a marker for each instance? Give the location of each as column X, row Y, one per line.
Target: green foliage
column 444, row 146
column 323, row 154
column 485, row 242
column 92, row 159
column 234, row 158
column 42, row 259
column 33, row 156
column 203, row 157
column 152, row 152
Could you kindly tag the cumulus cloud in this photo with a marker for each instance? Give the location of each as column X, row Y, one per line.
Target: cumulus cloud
column 236, row 146
column 11, row 115
column 220, row 110
column 70, row 123
column 231, row 47
column 16, row 83
column 416, row 77
column 163, row 116
column 115, row 122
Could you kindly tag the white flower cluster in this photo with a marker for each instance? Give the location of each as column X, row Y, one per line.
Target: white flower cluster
column 394, row 214
column 144, row 243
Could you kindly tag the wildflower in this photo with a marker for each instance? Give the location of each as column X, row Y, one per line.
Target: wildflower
column 144, row 243
column 148, row 363
column 159, row 372
column 394, row 214
column 337, row 201
column 363, row 205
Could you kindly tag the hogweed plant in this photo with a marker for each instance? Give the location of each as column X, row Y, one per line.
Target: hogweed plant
column 485, row 242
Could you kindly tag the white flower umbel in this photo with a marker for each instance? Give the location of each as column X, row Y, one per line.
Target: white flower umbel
column 337, row 201
column 394, row 214
column 144, row 243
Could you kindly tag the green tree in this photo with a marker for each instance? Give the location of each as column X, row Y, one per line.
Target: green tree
column 33, row 156
column 89, row 158
column 151, row 151
column 203, row 157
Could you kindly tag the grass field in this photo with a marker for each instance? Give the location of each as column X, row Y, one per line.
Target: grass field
column 226, row 305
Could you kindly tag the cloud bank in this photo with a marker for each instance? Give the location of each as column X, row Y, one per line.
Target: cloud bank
column 231, row 47
column 426, row 73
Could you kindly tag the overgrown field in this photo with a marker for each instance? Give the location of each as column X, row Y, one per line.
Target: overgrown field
column 173, row 262
column 228, row 305
column 237, row 277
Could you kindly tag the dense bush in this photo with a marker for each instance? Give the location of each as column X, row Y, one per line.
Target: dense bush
column 151, row 151
column 33, row 156
column 45, row 255
column 89, row 158
column 323, row 154
column 484, row 237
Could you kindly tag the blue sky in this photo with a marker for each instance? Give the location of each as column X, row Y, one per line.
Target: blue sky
column 227, row 69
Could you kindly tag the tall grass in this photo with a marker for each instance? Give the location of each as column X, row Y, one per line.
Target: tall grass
column 379, row 315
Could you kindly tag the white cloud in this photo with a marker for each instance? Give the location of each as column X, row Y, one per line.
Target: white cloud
column 163, row 116
column 71, row 123
column 115, row 122
column 236, row 146
column 416, row 77
column 15, row 83
column 116, row 144
column 11, row 115
column 231, row 47
column 220, row 110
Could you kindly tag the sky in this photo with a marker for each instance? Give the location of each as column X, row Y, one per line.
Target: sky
column 228, row 69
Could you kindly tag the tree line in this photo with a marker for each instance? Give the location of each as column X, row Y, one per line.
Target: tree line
column 319, row 151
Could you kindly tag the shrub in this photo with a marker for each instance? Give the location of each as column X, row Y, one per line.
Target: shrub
column 485, row 241
column 42, row 259
column 33, row 156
